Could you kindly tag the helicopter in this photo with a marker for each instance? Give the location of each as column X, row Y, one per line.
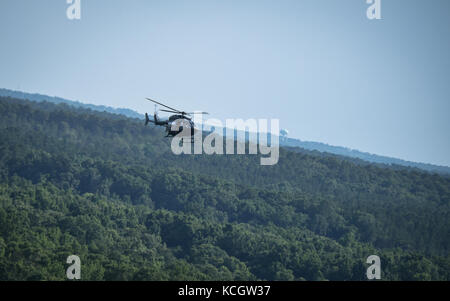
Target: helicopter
column 178, row 121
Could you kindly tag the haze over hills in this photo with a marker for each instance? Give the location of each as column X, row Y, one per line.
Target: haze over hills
column 352, row 153
column 57, row 100
column 287, row 142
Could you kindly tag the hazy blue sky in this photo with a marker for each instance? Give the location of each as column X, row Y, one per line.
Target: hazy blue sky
column 320, row 66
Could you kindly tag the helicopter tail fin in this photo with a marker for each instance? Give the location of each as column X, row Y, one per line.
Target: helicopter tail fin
column 147, row 120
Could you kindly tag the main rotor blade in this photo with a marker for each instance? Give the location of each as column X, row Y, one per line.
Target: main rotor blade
column 163, row 105
column 183, row 113
column 170, row 111
column 193, row 113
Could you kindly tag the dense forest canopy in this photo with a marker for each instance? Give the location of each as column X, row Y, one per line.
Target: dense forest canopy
column 108, row 189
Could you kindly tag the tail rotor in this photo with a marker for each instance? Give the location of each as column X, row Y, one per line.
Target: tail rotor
column 155, row 118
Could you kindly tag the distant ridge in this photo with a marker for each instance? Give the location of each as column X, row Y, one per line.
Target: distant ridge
column 286, row 142
column 57, row 100
column 347, row 152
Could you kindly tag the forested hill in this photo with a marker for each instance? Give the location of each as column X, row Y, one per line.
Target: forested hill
column 294, row 144
column 106, row 188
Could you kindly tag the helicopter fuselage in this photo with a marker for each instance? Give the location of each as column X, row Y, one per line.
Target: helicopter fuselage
column 180, row 124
